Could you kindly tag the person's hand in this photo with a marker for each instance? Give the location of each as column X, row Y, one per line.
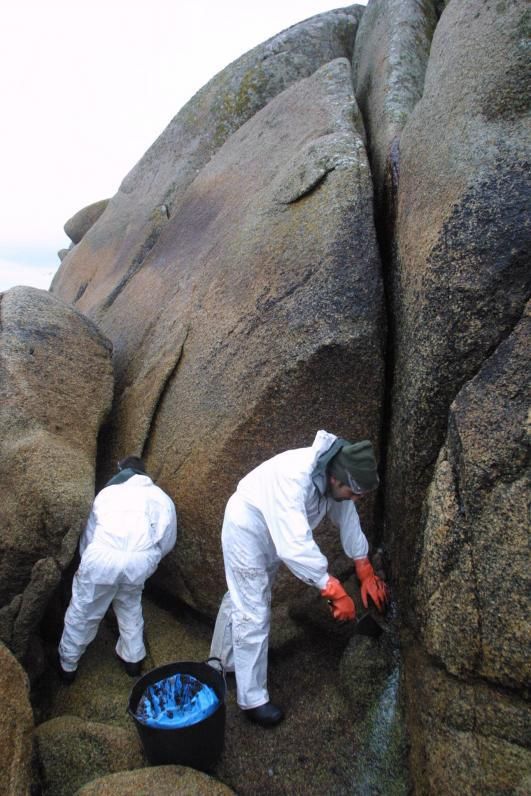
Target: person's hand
column 341, row 604
column 371, row 585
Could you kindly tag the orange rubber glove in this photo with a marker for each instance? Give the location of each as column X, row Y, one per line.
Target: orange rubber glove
column 341, row 606
column 371, row 585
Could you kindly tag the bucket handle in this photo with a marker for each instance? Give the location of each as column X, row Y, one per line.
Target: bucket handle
column 221, row 669
column 213, row 658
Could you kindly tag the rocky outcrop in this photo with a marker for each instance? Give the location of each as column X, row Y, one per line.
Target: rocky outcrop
column 16, row 727
column 72, row 752
column 114, row 249
column 473, row 586
column 466, row 737
column 237, row 274
column 308, row 677
column 388, row 67
column 261, row 298
column 55, row 391
column 162, row 780
column 80, row 223
column 473, row 579
column 461, row 275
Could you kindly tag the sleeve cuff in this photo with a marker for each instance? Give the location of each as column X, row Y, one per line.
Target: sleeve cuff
column 322, row 582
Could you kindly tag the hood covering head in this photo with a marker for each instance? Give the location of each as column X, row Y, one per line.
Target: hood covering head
column 355, row 466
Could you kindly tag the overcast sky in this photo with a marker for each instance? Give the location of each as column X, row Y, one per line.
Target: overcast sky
column 86, row 87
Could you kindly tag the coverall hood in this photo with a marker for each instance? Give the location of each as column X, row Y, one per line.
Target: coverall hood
column 355, row 465
column 323, row 460
column 124, row 475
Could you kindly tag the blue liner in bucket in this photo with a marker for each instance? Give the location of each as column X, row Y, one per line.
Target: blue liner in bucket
column 198, row 745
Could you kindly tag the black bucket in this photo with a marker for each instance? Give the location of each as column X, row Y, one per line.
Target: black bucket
column 199, row 745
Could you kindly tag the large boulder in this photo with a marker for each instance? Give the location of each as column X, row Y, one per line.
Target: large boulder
column 72, row 752
column 461, row 273
column 388, row 66
column 162, row 780
column 255, row 320
column 466, row 736
column 473, row 587
column 473, row 590
column 16, row 727
column 114, row 248
column 80, row 223
column 55, row 390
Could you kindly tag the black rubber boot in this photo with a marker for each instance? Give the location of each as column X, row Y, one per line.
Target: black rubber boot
column 67, row 677
column 266, row 715
column 133, row 669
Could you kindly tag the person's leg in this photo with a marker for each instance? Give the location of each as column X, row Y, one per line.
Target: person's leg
column 249, row 567
column 88, row 606
column 127, row 605
column 221, row 646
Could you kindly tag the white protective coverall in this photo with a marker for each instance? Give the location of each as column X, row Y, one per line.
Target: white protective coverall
column 270, row 519
column 132, row 525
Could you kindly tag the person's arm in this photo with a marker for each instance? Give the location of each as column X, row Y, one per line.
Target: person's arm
column 355, row 545
column 284, row 512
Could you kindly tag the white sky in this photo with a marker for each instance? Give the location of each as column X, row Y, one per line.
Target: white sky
column 86, row 87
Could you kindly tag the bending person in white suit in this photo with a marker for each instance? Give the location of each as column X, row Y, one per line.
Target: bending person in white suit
column 131, row 526
column 270, row 519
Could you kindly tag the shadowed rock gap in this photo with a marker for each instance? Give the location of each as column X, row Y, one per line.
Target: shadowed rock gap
column 383, row 150
column 160, row 399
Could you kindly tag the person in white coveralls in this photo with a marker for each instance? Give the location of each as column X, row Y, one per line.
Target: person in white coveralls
column 131, row 526
column 270, row 519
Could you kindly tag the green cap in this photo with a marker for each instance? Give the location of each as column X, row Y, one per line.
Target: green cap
column 355, row 466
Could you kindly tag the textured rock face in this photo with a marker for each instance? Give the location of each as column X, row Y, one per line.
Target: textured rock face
column 389, row 63
column 473, row 583
column 115, row 248
column 55, row 389
column 236, row 273
column 16, row 726
column 461, row 276
column 162, row 780
column 72, row 752
column 473, row 586
column 467, row 737
column 80, row 223
column 266, row 283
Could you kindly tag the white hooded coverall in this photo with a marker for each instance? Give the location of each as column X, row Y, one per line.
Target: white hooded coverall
column 132, row 525
column 270, row 519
